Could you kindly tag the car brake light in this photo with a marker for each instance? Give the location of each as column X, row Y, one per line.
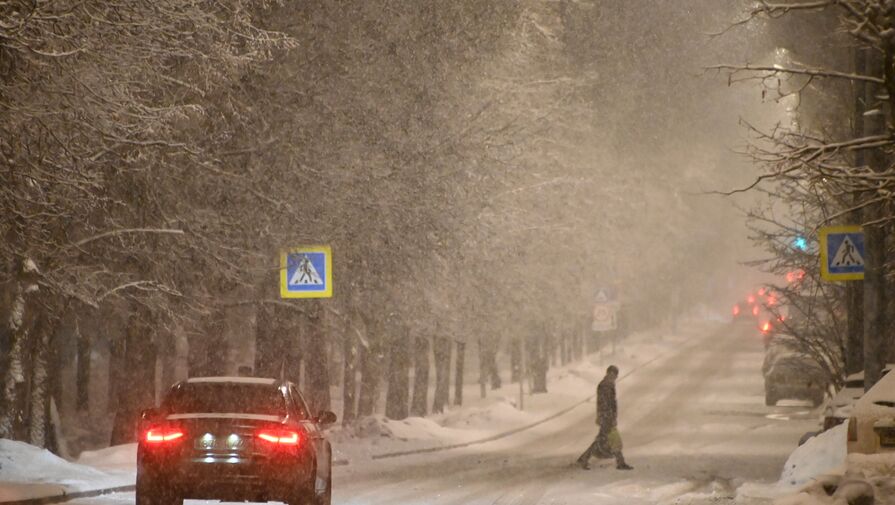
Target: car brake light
column 766, row 327
column 736, row 310
column 751, row 299
column 852, row 429
column 162, row 435
column 755, row 310
column 280, row 437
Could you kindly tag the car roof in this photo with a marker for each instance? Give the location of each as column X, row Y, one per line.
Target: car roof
column 860, row 375
column 233, row 380
column 884, row 390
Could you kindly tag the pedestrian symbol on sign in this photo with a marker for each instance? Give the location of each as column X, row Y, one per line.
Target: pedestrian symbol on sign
column 305, row 274
column 847, row 255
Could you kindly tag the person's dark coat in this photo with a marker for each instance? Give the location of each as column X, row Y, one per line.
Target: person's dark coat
column 607, row 408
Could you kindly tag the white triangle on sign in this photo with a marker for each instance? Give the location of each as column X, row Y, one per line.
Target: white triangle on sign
column 847, row 255
column 601, row 297
column 305, row 274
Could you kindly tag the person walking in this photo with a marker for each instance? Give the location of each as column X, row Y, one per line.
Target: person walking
column 608, row 443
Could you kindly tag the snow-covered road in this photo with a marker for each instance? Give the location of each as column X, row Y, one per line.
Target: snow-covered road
column 694, row 425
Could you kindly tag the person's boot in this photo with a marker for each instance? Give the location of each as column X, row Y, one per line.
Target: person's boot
column 583, row 464
column 620, row 463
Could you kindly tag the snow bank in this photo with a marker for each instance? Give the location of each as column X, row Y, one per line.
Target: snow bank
column 810, row 464
column 820, row 455
column 864, row 477
column 27, row 471
column 503, row 412
column 117, row 457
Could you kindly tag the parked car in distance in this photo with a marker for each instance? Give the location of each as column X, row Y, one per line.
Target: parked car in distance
column 777, row 346
column 871, row 427
column 792, row 376
column 233, row 439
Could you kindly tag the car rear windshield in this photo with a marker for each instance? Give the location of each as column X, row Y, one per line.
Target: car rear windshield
column 223, row 398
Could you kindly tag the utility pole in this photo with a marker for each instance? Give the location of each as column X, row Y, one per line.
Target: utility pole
column 854, row 290
column 875, row 293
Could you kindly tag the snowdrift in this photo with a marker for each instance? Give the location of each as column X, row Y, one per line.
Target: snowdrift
column 27, row 472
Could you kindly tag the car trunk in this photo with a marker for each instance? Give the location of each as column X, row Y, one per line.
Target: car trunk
column 226, row 438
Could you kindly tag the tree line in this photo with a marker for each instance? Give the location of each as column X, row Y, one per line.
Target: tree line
column 157, row 156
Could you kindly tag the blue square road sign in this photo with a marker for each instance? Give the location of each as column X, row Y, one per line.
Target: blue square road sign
column 842, row 253
column 306, row 272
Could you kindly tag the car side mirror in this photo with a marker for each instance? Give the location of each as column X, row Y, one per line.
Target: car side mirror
column 326, row 417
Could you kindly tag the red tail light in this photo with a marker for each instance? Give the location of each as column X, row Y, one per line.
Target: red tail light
column 751, row 299
column 755, row 310
column 766, row 327
column 736, row 310
column 163, row 435
column 280, row 437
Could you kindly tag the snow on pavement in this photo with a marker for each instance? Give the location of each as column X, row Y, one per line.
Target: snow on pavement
column 693, row 420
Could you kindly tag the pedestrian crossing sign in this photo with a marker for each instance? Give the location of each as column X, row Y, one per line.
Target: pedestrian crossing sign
column 842, row 253
column 306, row 272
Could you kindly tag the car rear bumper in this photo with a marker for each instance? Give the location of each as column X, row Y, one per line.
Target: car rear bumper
column 797, row 392
column 228, row 478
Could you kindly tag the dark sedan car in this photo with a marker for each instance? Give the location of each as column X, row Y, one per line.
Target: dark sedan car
column 233, row 439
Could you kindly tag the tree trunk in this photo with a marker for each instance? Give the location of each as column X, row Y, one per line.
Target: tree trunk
column 564, row 348
column 483, row 369
column 515, row 360
column 442, row 354
column 38, row 408
column 876, row 324
column 317, row 365
column 270, row 352
column 458, row 374
column 349, row 380
column 83, row 372
column 491, row 368
column 12, row 398
column 116, row 370
column 420, row 403
column 538, row 360
column 139, row 378
column 397, row 401
column 371, row 373
column 854, row 291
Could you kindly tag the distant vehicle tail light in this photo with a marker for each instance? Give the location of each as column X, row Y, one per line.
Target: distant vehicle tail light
column 284, row 438
column 751, row 299
column 755, row 310
column 766, row 327
column 736, row 310
column 163, row 434
column 852, row 429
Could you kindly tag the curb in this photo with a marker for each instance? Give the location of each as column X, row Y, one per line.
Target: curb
column 506, row 433
column 64, row 497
